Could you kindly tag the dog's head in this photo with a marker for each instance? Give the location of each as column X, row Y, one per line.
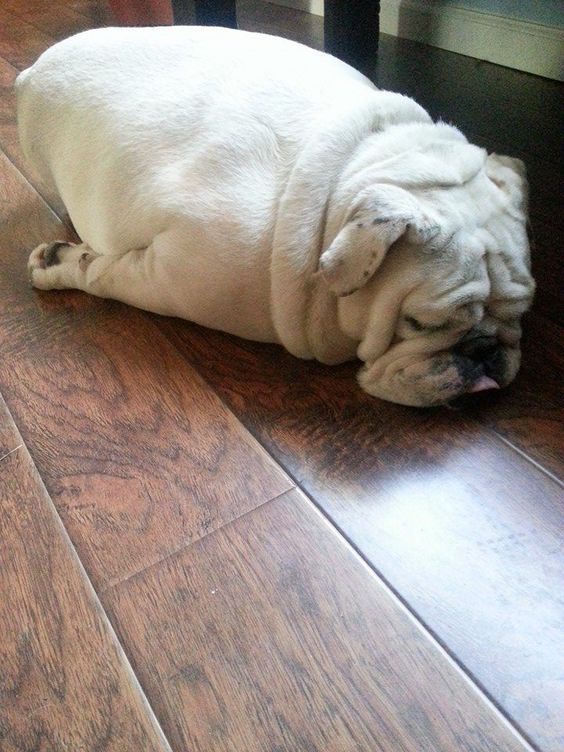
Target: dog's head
column 432, row 269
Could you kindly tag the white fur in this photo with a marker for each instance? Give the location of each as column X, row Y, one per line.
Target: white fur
column 208, row 170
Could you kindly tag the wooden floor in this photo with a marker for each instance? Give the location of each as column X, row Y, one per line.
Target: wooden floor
column 208, row 545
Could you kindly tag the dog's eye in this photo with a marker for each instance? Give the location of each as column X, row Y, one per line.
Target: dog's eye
column 419, row 326
column 414, row 324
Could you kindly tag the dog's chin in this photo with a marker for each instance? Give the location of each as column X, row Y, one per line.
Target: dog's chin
column 435, row 381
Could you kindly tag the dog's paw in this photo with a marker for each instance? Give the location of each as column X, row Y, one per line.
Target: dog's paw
column 46, row 254
column 42, row 260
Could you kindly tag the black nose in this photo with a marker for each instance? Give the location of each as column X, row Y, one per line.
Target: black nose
column 485, row 352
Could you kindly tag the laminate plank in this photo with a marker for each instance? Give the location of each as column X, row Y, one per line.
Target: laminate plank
column 9, row 142
column 15, row 36
column 65, row 682
column 415, row 59
column 25, row 6
column 548, row 271
column 97, row 11
column 491, row 100
column 20, row 42
column 531, row 415
column 138, row 454
column 435, row 500
column 265, row 17
column 7, row 74
column 57, row 21
column 271, row 634
column 464, row 527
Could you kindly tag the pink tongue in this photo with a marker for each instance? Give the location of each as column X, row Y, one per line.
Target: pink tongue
column 483, row 383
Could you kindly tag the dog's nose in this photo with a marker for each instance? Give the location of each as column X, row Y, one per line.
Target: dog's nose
column 477, row 347
column 485, row 351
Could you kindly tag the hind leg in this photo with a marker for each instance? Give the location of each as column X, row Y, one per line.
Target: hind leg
column 145, row 278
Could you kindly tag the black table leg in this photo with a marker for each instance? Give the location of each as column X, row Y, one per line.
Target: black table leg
column 351, row 31
column 208, row 12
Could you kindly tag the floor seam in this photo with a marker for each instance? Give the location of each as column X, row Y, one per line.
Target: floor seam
column 420, row 621
column 92, row 594
column 188, row 544
column 527, row 457
column 387, row 584
column 15, row 449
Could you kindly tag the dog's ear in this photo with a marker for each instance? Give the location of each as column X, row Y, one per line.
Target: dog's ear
column 380, row 216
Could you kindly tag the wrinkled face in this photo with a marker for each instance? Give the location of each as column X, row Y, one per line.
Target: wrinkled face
column 441, row 316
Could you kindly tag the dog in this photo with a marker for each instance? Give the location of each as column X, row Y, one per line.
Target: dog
column 254, row 185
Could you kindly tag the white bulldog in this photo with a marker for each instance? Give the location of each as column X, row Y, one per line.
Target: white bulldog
column 254, row 185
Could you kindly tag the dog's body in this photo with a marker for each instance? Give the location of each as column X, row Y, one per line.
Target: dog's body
column 253, row 185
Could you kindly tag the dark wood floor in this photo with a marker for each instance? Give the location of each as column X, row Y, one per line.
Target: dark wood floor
column 208, row 545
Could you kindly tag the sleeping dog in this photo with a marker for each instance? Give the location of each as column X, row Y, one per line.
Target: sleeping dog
column 254, row 185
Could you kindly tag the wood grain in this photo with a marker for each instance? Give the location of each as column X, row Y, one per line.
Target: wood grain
column 268, row 18
column 530, row 416
column 460, row 524
column 9, row 142
column 139, row 455
column 7, row 76
column 486, row 99
column 21, row 43
column 98, row 11
column 57, row 21
column 64, row 680
column 273, row 635
column 143, row 460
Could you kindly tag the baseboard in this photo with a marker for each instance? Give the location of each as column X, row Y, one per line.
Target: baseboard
column 518, row 44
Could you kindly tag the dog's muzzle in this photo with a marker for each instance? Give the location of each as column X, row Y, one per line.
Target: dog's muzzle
column 481, row 363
